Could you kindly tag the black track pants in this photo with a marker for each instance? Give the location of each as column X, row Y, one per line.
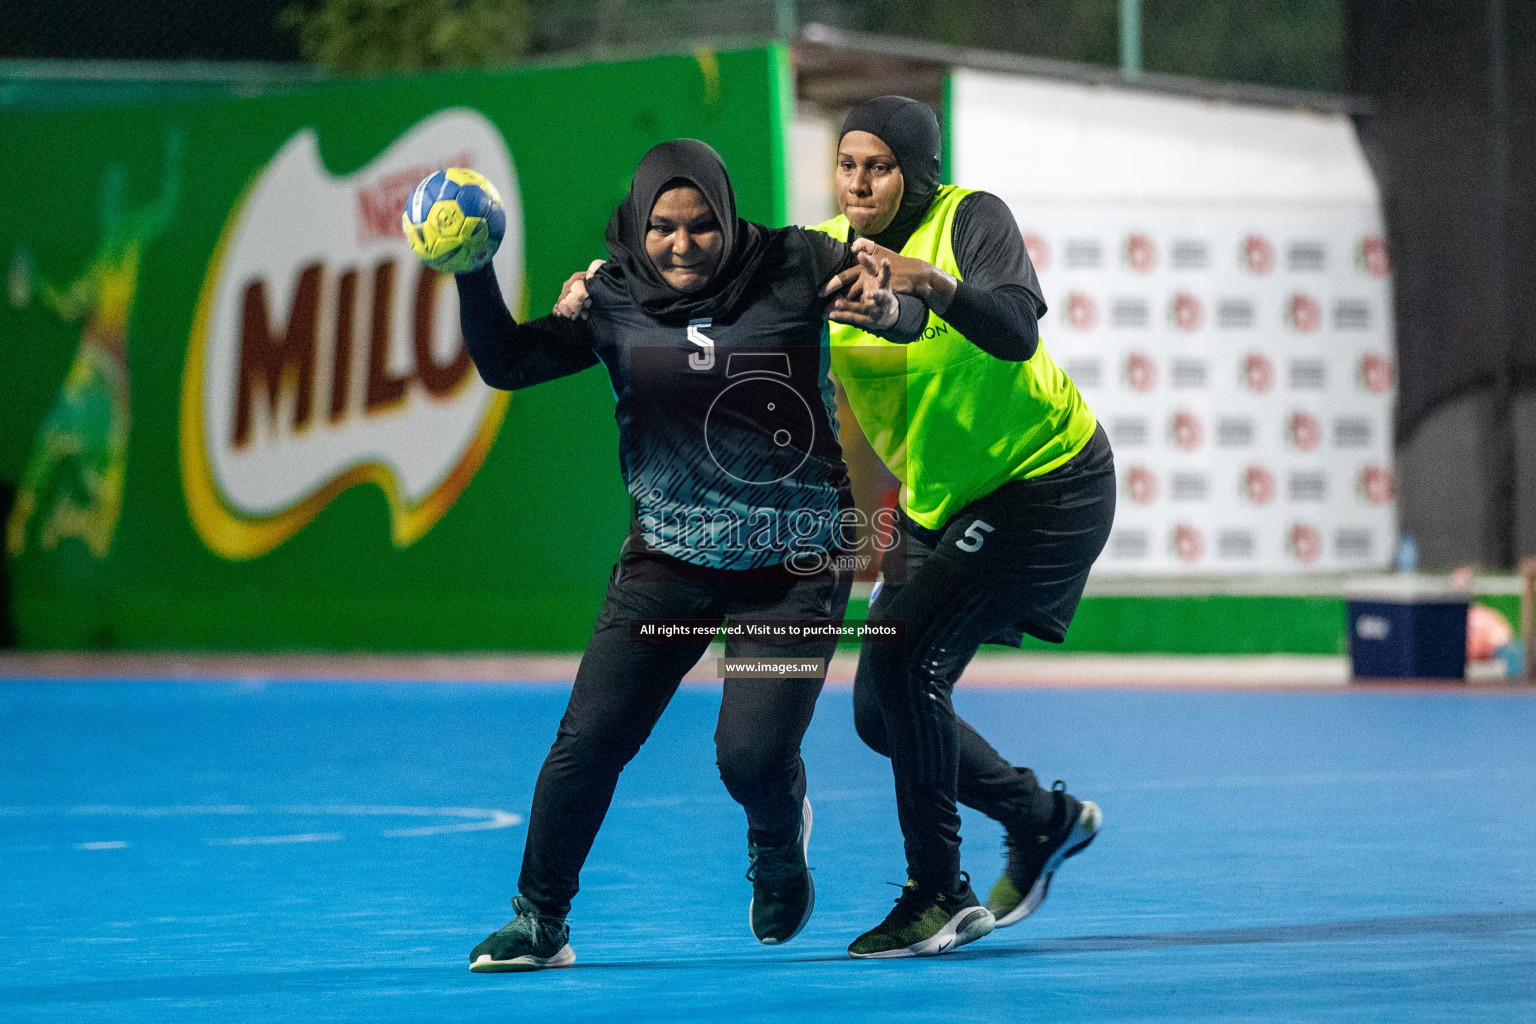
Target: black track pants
column 623, row 686
column 1013, row 561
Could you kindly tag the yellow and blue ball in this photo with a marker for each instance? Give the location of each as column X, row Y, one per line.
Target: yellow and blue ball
column 454, row 220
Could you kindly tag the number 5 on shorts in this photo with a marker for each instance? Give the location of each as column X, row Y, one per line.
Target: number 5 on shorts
column 975, row 536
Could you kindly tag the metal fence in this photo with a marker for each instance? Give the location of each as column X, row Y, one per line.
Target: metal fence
column 1294, row 43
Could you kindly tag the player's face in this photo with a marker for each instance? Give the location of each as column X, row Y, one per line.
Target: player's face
column 684, row 239
column 868, row 182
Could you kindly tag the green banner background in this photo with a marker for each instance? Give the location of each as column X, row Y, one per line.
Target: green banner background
column 521, row 560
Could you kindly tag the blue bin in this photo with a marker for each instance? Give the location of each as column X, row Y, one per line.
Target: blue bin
column 1407, row 628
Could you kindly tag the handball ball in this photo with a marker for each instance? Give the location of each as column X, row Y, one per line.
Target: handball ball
column 454, row 220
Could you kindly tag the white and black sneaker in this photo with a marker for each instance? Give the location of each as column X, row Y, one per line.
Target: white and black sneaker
column 1034, row 856
column 782, row 892
column 926, row 923
column 531, row 941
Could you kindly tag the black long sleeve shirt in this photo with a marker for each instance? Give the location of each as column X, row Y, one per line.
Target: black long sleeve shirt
column 727, row 430
column 997, row 303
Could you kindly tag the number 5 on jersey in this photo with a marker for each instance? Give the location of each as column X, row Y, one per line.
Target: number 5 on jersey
column 704, row 360
column 975, row 536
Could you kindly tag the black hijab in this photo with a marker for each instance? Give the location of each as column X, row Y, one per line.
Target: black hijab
column 912, row 132
column 684, row 161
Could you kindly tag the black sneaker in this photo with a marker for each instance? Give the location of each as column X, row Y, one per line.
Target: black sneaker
column 926, row 924
column 782, row 893
column 1034, row 856
column 529, row 942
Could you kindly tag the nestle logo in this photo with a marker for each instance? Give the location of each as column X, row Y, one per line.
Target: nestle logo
column 1236, row 544
column 1086, row 373
column 1128, row 433
column 1190, row 254
column 1234, row 432
column 1130, row 545
column 1308, row 374
column 1351, row 315
column 1130, row 313
column 1084, row 254
column 1304, row 256
column 1189, row 373
column 379, row 202
column 1234, row 314
column 1351, row 432
column 1308, row 486
column 1189, row 487
column 1352, row 542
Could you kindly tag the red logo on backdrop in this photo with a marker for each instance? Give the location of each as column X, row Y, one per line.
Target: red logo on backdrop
column 1258, row 485
column 1304, row 313
column 1185, row 430
column 1258, row 255
column 1188, row 543
column 379, row 203
column 1039, row 250
column 1376, row 485
column 1258, row 373
column 1140, row 372
column 1141, row 485
column 1082, row 312
column 1304, row 431
column 1306, row 544
column 1140, row 253
column 1185, row 312
column 1376, row 373
column 1371, row 256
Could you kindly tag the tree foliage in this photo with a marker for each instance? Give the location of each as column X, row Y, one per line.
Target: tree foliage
column 359, row 37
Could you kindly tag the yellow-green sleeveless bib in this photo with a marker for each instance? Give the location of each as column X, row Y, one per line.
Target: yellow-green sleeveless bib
column 950, row 421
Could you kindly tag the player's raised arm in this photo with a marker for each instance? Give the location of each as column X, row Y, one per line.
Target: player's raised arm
column 454, row 221
column 997, row 303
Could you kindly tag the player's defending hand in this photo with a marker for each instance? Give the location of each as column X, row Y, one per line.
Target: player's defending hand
column 574, row 300
column 868, row 301
column 909, row 276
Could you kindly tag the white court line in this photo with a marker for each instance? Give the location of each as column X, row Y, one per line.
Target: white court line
column 303, row 837
column 481, row 819
column 500, row 819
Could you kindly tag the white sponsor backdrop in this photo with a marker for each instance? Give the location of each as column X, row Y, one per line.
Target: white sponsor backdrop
column 1220, row 292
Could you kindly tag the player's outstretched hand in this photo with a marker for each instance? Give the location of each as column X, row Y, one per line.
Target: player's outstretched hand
column 868, row 302
column 574, row 300
column 909, row 276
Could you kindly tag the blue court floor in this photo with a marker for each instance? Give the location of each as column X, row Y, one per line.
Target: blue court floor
column 330, row 852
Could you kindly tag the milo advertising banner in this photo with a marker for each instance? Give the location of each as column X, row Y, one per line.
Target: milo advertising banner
column 239, row 413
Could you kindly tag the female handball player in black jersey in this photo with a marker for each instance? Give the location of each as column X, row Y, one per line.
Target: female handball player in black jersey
column 711, row 330
column 1007, row 497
